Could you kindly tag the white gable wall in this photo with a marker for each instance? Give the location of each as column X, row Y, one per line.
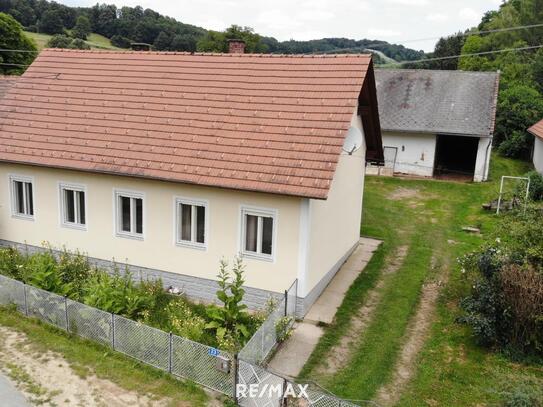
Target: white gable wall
column 333, row 224
column 538, row 155
column 415, row 152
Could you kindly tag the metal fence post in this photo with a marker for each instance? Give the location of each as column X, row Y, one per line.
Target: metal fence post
column 26, row 304
column 66, row 314
column 236, row 378
column 286, row 302
column 112, row 331
column 170, row 354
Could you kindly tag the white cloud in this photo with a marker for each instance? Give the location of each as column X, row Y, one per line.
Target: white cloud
column 383, row 33
column 409, row 2
column 467, row 13
column 436, row 17
column 390, row 20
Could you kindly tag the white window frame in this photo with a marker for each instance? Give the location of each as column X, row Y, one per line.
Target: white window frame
column 261, row 212
column 117, row 194
column 62, row 186
column 178, row 200
column 13, row 200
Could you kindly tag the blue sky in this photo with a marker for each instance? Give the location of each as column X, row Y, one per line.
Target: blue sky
column 397, row 21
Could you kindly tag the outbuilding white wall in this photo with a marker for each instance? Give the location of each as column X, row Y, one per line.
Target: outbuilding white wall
column 538, row 154
column 482, row 163
column 416, row 152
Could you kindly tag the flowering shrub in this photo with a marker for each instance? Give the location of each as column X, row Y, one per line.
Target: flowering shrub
column 180, row 319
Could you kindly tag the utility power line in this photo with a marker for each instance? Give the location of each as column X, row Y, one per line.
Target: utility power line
column 466, row 34
column 417, row 60
column 465, row 55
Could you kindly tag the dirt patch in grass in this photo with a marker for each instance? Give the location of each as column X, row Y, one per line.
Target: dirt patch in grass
column 48, row 379
column 340, row 354
column 416, row 334
column 401, row 193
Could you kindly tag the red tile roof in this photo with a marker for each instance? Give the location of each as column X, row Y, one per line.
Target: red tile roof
column 253, row 122
column 6, row 82
column 537, row 129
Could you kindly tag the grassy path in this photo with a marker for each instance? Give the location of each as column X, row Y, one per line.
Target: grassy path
column 426, row 216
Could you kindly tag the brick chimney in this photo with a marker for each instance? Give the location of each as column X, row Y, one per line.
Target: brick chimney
column 236, row 46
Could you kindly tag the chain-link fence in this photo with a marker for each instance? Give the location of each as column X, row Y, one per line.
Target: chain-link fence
column 210, row 367
column 181, row 357
column 265, row 338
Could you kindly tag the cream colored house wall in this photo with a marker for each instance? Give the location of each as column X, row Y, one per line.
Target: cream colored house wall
column 334, row 224
column 158, row 249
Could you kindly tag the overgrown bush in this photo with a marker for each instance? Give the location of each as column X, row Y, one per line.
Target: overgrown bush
column 120, row 41
column 70, row 274
column 536, row 185
column 63, row 41
column 118, row 294
column 12, row 263
column 505, row 307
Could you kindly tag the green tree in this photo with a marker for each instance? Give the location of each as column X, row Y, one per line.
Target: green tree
column 183, row 42
column 519, row 106
column 51, row 22
column 537, row 69
column 59, row 41
column 162, row 42
column 82, row 28
column 78, row 43
column 120, row 41
column 215, row 41
column 22, row 11
column 13, row 37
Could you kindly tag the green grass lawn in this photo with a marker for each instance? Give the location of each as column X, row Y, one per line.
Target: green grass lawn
column 96, row 41
column 87, row 358
column 451, row 369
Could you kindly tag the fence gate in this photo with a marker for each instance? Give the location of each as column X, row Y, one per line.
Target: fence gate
column 390, row 154
column 267, row 387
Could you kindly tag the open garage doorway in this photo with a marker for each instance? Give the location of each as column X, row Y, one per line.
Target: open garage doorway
column 455, row 157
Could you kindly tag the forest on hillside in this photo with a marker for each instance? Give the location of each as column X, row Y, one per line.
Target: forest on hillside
column 125, row 25
column 517, row 54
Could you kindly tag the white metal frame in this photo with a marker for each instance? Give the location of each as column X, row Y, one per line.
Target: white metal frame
column 118, row 193
column 13, row 199
column 260, row 212
column 68, row 186
column 178, row 200
column 504, row 177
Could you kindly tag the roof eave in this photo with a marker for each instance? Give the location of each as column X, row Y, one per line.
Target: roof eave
column 321, row 196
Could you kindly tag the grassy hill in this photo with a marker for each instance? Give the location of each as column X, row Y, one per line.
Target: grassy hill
column 96, row 41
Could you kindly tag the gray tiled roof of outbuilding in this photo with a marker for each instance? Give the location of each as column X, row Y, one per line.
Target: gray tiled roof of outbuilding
column 431, row 101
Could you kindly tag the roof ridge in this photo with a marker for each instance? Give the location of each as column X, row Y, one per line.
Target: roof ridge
column 221, row 54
